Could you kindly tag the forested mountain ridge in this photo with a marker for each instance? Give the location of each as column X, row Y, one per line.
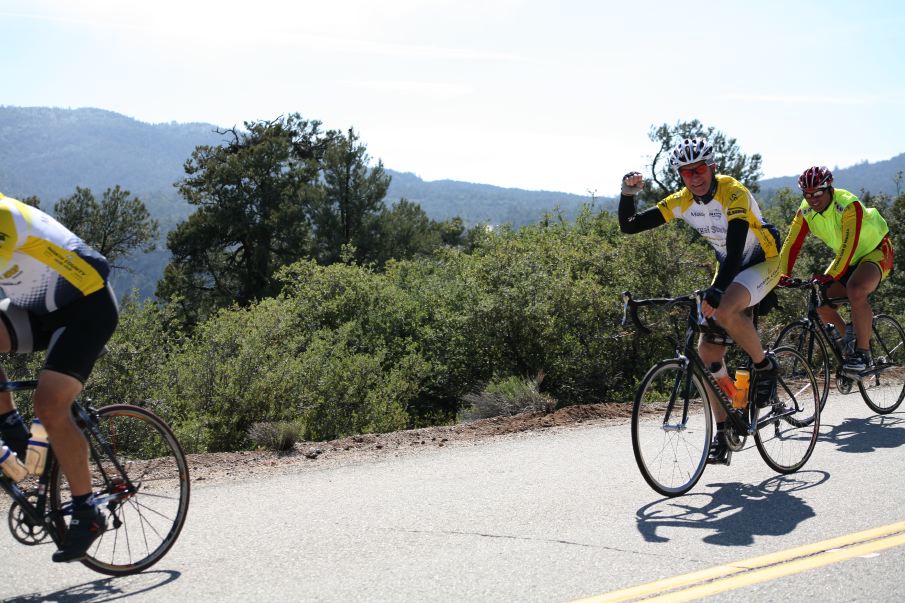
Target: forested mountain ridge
column 47, row 152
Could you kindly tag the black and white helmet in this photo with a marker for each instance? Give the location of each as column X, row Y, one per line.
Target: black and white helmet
column 691, row 150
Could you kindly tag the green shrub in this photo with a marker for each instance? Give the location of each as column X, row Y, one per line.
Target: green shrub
column 280, row 436
column 507, row 397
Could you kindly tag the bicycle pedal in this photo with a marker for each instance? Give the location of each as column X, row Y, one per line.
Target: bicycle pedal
column 856, row 376
column 725, row 459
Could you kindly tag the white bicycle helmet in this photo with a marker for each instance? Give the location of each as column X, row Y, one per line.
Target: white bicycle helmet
column 691, row 150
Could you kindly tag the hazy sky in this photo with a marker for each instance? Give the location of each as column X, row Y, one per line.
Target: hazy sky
column 556, row 95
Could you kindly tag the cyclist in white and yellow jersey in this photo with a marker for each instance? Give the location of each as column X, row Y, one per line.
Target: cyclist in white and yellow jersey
column 727, row 215
column 56, row 298
column 860, row 238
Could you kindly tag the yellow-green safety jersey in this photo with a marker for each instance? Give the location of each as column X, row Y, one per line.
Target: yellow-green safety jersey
column 846, row 226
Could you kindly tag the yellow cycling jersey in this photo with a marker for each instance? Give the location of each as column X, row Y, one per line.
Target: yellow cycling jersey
column 732, row 201
column 846, row 226
column 44, row 266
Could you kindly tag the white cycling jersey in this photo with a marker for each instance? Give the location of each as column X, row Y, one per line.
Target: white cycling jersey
column 43, row 265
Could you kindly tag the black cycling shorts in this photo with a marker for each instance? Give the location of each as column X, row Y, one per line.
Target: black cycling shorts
column 74, row 336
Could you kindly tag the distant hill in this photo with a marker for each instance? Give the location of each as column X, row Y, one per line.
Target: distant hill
column 876, row 178
column 48, row 152
column 484, row 203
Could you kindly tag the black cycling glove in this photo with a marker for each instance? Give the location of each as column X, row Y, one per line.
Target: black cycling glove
column 712, row 296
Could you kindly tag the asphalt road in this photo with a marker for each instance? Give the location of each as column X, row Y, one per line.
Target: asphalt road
column 556, row 515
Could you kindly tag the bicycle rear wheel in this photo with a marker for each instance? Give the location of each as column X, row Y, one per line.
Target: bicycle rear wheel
column 807, row 342
column 787, row 430
column 670, row 440
column 884, row 388
column 144, row 522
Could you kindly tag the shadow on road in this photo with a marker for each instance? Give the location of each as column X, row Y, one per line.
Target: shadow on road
column 866, row 435
column 734, row 513
column 107, row 589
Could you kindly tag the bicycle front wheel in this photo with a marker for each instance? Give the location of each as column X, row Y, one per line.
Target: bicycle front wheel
column 671, row 428
column 807, row 342
column 884, row 387
column 787, row 430
column 143, row 522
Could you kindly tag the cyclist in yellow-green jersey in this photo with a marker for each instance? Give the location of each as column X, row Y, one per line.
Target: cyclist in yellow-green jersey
column 859, row 236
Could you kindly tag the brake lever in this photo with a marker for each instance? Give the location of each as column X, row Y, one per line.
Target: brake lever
column 626, row 298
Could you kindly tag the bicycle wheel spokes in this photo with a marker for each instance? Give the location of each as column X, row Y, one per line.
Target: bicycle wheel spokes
column 787, row 430
column 884, row 388
column 671, row 440
column 801, row 337
column 145, row 512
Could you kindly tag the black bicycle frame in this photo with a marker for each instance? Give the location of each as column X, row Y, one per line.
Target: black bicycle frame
column 37, row 512
column 686, row 353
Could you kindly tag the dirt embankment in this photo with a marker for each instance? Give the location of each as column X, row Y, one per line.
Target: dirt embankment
column 208, row 468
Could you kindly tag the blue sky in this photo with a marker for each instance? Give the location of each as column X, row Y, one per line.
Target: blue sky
column 556, row 95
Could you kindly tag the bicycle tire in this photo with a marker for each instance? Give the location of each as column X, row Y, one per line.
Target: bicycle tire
column 142, row 527
column 804, row 338
column 883, row 391
column 671, row 453
column 787, row 430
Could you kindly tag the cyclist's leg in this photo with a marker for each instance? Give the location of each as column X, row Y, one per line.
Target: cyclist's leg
column 860, row 283
column 732, row 316
column 864, row 281
column 79, row 333
column 829, row 314
column 749, row 288
column 53, row 399
column 857, row 283
column 712, row 353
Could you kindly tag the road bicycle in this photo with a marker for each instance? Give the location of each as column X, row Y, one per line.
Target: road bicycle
column 672, row 425
column 882, row 385
column 139, row 478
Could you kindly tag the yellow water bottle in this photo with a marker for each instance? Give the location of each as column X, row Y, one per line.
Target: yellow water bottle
column 742, row 380
column 36, row 455
column 722, row 378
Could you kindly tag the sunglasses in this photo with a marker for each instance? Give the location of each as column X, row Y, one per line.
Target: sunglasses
column 688, row 172
column 814, row 194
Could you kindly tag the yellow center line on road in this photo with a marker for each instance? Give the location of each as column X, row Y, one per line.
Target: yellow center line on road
column 695, row 585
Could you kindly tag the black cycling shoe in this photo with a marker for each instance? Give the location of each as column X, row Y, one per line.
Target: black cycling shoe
column 858, row 362
column 719, row 451
column 14, row 434
column 86, row 526
column 764, row 387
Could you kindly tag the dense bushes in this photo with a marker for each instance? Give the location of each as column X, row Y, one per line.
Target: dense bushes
column 348, row 349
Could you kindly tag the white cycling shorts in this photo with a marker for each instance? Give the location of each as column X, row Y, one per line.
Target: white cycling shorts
column 759, row 279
